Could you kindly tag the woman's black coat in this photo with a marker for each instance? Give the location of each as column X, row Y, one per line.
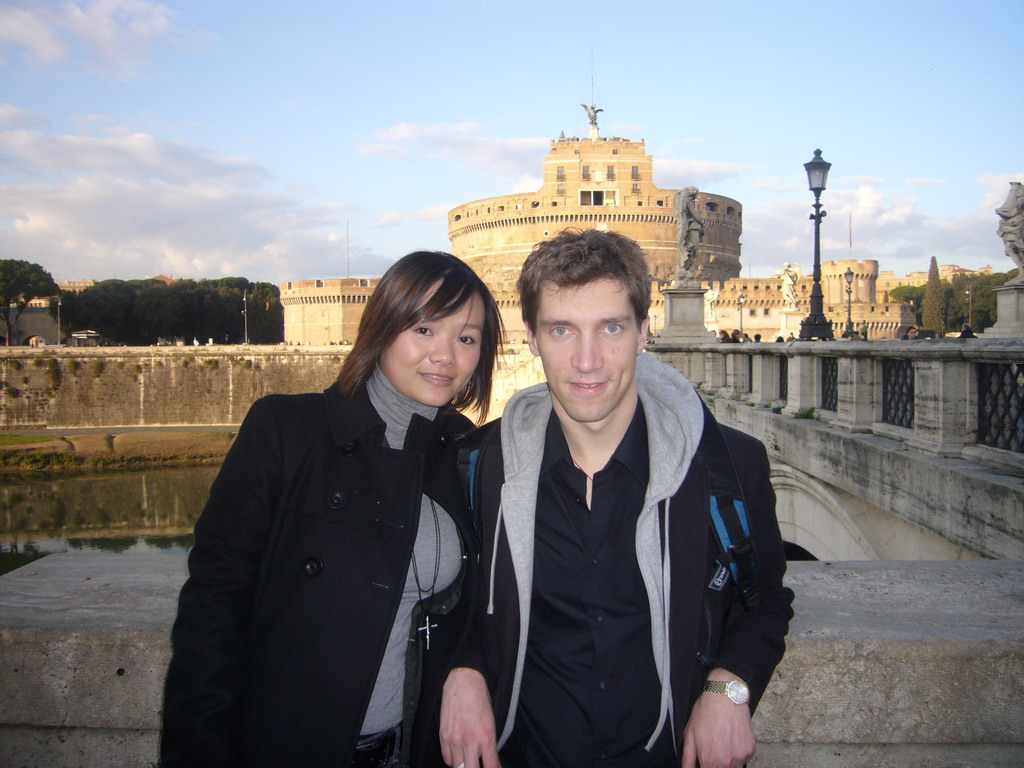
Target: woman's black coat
column 300, row 558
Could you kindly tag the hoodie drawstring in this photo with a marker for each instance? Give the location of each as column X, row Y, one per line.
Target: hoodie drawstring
column 666, row 657
column 494, row 558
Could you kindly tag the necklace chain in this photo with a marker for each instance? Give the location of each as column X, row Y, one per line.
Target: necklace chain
column 427, row 626
column 581, row 469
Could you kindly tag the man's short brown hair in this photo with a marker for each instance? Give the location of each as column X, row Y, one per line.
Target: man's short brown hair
column 573, row 259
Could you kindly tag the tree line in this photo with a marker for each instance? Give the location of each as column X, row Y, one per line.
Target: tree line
column 943, row 306
column 144, row 312
column 141, row 312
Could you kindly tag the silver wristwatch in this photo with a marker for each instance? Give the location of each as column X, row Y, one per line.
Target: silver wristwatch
column 736, row 690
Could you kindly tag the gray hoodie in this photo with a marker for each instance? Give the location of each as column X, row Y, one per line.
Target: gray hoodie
column 675, row 421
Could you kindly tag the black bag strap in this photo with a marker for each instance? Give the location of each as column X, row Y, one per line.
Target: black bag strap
column 728, row 510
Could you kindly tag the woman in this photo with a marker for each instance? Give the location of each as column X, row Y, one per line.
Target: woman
column 332, row 568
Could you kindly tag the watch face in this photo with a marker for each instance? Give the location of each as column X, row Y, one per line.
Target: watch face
column 738, row 692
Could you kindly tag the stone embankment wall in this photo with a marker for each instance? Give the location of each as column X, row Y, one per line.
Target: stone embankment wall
column 152, row 386
column 111, row 387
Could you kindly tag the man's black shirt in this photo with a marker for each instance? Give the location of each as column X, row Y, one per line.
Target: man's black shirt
column 590, row 693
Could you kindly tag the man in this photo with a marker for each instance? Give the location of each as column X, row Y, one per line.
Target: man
column 602, row 634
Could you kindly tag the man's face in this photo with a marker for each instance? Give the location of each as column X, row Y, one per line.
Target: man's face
column 588, row 340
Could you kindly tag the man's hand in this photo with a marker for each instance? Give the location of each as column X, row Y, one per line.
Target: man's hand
column 467, row 721
column 719, row 733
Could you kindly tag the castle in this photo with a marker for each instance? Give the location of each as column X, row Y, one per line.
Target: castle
column 607, row 183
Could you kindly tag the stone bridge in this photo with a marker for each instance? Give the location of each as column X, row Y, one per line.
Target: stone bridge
column 881, row 450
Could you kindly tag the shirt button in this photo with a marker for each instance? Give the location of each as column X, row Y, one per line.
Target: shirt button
column 601, row 685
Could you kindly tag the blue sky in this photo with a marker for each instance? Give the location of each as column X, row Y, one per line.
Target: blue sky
column 288, row 141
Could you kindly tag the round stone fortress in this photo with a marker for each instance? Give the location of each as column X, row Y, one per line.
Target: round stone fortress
column 593, row 183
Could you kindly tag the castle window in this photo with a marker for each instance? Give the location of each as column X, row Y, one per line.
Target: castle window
column 636, row 189
column 711, row 206
column 730, row 210
column 661, row 203
column 635, row 173
column 535, row 204
column 611, row 173
column 586, row 173
column 554, row 203
column 560, row 173
column 615, row 151
column 501, row 208
column 458, row 217
column 319, row 283
column 561, row 189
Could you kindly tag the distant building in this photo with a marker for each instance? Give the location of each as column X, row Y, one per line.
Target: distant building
column 888, row 281
column 592, row 183
column 324, row 312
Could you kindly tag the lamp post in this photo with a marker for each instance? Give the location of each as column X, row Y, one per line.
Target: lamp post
column 245, row 314
column 816, row 325
column 970, row 305
column 849, row 293
column 741, row 300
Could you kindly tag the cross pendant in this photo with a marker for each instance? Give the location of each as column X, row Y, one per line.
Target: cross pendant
column 427, row 626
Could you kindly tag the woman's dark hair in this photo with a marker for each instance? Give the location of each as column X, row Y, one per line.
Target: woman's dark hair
column 406, row 296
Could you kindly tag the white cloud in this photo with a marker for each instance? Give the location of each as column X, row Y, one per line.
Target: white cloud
column 433, row 213
column 32, row 153
column 457, row 142
column 926, row 182
column 887, row 228
column 109, row 37
column 680, row 172
column 997, row 188
column 16, row 117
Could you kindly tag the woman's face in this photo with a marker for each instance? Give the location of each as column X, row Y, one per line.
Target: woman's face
column 432, row 361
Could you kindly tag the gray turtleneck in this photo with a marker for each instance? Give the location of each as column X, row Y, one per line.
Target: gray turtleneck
column 385, row 708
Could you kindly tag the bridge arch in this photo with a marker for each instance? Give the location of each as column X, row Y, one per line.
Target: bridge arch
column 814, row 516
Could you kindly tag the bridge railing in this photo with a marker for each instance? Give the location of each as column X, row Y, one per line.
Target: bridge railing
column 949, row 397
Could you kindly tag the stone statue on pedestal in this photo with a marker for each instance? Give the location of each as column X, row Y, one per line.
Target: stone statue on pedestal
column 709, row 306
column 592, row 111
column 1011, row 228
column 688, row 236
column 790, row 276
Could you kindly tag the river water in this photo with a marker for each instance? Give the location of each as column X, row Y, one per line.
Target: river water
column 139, row 511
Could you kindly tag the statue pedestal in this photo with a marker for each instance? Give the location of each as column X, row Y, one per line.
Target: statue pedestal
column 1009, row 312
column 684, row 316
column 790, row 323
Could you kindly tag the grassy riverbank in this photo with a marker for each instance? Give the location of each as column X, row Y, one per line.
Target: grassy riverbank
column 22, row 453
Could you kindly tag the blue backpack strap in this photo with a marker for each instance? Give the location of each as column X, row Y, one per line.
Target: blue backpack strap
column 728, row 510
column 470, row 450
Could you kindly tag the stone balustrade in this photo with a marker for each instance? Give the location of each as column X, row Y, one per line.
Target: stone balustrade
column 888, row 664
column 948, row 398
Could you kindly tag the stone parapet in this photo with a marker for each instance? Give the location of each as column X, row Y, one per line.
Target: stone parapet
column 898, row 664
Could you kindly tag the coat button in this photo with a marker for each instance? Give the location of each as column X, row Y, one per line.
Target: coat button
column 349, row 448
column 313, row 566
column 337, row 499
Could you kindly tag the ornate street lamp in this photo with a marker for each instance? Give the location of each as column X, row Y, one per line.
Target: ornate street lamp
column 970, row 306
column 848, row 333
column 741, row 300
column 816, row 325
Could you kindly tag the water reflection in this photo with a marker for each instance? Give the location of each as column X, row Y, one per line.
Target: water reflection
column 143, row 511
